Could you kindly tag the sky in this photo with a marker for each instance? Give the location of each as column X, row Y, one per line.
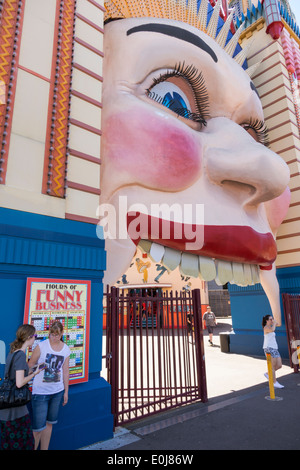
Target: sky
column 295, row 6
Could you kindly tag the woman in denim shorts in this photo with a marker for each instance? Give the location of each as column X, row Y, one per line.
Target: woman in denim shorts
column 270, row 347
column 50, row 388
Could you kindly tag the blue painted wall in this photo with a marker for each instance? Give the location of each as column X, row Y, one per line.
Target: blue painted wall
column 249, row 305
column 33, row 245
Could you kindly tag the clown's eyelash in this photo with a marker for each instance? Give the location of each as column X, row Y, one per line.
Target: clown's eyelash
column 260, row 128
column 195, row 78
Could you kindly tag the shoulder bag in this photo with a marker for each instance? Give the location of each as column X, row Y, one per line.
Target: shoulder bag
column 10, row 395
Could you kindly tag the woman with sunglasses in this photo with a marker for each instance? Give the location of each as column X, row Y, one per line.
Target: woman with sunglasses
column 15, row 424
column 270, row 346
column 50, row 388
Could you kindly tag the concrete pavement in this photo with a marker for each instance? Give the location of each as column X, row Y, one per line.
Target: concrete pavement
column 238, row 414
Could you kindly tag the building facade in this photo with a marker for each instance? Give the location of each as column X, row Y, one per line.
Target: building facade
column 51, row 57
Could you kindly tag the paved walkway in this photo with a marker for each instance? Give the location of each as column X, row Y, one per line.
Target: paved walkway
column 237, row 416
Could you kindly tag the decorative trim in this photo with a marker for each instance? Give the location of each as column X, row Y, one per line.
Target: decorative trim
column 83, row 187
column 85, row 126
column 32, row 72
column 81, row 218
column 85, row 156
column 89, row 47
column 11, row 22
column 88, row 72
column 21, row 251
column 86, row 98
column 59, row 101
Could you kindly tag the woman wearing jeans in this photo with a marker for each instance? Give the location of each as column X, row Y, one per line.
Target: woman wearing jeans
column 51, row 387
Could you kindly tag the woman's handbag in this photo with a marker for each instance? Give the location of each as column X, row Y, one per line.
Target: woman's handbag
column 10, row 395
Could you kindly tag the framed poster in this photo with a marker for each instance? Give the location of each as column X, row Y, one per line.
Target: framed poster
column 67, row 301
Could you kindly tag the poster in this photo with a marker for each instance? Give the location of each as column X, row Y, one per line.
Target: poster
column 67, row 301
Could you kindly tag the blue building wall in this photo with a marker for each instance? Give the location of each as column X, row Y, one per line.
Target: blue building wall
column 33, row 245
column 249, row 305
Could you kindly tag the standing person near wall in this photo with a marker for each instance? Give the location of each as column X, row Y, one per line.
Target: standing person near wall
column 270, row 346
column 15, row 424
column 51, row 387
column 210, row 320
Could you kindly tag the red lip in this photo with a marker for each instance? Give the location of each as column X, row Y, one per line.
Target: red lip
column 231, row 242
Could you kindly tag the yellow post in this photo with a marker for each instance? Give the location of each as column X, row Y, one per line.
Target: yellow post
column 298, row 352
column 270, row 373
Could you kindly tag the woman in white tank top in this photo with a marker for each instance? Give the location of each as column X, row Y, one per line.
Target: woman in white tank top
column 270, row 346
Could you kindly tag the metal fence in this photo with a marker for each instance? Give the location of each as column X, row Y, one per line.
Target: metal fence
column 291, row 307
column 154, row 351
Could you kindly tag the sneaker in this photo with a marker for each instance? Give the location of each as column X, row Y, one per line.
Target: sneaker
column 266, row 375
column 278, row 385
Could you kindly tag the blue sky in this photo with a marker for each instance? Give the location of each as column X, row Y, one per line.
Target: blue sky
column 295, row 6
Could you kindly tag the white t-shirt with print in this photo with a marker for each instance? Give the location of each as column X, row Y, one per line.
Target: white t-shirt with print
column 50, row 380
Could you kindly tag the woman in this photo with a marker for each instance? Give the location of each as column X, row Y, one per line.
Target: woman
column 15, row 425
column 51, row 387
column 270, row 347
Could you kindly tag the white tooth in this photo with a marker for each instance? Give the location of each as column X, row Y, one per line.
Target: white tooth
column 255, row 274
column 247, row 274
column 238, row 274
column 145, row 246
column 224, row 272
column 207, row 268
column 157, row 252
column 189, row 265
column 171, row 258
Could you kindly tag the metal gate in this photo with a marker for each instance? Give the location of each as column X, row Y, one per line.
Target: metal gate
column 154, row 351
column 291, row 307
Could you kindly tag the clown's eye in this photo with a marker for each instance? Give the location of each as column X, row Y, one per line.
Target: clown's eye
column 258, row 130
column 182, row 90
column 171, row 96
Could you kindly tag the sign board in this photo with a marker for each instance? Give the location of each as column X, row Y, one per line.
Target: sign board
column 67, row 301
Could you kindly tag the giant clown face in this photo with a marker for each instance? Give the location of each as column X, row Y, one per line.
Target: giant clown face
column 183, row 125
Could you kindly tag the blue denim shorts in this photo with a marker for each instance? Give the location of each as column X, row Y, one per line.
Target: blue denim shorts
column 45, row 409
column 274, row 352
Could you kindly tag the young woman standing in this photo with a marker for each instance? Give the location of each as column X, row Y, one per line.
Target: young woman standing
column 270, row 346
column 15, row 424
column 50, row 388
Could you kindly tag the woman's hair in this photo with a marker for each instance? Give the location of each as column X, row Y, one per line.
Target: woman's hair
column 265, row 319
column 57, row 328
column 24, row 332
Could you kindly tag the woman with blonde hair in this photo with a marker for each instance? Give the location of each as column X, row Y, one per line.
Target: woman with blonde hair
column 15, row 424
column 51, row 387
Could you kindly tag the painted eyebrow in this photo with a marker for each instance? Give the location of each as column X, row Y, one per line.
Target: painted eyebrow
column 176, row 32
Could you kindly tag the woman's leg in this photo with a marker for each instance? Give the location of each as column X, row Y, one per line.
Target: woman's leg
column 46, row 436
column 276, row 365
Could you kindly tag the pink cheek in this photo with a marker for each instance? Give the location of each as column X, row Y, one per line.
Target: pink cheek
column 277, row 209
column 152, row 150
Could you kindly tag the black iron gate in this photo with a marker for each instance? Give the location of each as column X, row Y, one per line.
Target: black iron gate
column 291, row 307
column 155, row 352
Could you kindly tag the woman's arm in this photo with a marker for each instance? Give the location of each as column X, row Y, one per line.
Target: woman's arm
column 21, row 380
column 34, row 357
column 66, row 376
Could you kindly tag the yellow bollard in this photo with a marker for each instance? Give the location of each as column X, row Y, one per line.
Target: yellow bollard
column 270, row 373
column 271, row 382
column 298, row 353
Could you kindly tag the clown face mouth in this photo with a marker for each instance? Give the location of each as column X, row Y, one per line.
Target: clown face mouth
column 233, row 254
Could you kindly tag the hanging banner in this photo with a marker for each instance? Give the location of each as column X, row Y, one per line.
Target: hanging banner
column 67, row 301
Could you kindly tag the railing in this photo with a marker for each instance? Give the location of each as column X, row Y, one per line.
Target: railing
column 155, row 353
column 291, row 304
